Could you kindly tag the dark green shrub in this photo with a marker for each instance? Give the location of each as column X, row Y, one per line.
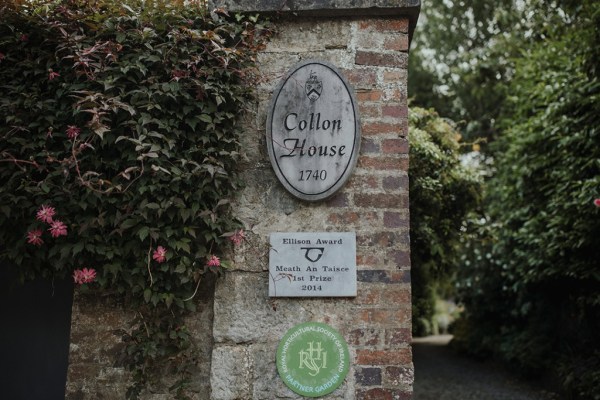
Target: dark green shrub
column 530, row 283
column 442, row 192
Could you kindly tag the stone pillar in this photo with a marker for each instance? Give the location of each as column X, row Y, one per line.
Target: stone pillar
column 367, row 40
column 370, row 46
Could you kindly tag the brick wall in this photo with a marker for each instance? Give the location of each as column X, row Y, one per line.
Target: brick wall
column 372, row 54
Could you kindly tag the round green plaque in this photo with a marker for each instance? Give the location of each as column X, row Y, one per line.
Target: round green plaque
column 312, row 359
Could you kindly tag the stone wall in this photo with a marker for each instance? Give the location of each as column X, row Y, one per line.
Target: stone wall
column 372, row 53
column 99, row 330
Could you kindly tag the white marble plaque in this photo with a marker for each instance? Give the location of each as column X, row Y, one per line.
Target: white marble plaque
column 312, row 264
column 313, row 130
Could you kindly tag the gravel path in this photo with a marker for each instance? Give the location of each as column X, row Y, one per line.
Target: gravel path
column 441, row 374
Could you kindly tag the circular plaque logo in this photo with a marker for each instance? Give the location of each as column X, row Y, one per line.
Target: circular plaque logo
column 313, row 131
column 312, row 359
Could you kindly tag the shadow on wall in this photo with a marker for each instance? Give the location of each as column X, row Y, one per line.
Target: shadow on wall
column 34, row 337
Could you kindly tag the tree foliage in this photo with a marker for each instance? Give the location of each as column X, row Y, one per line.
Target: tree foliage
column 122, row 117
column 530, row 282
column 460, row 61
column 442, row 192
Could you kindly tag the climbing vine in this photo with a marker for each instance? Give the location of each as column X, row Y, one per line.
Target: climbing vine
column 118, row 150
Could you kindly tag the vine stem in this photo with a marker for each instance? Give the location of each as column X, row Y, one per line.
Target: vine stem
column 195, row 291
column 148, row 265
column 145, row 325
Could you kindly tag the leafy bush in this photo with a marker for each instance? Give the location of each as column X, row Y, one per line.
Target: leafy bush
column 442, row 191
column 119, row 144
column 531, row 282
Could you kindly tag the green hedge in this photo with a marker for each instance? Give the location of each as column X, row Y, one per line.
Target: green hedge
column 531, row 280
column 442, row 192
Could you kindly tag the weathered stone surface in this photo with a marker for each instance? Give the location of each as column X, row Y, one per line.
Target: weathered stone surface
column 231, row 372
column 96, row 362
column 97, row 329
column 315, row 37
column 244, row 313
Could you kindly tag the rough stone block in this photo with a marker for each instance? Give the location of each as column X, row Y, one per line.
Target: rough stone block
column 230, row 377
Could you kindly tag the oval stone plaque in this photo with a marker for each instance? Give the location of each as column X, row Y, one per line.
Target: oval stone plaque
column 313, row 130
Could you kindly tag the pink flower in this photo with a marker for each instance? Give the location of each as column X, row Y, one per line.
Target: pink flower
column 52, row 74
column 86, row 275
column 73, row 131
column 159, row 254
column 45, row 214
column 24, row 38
column 57, row 228
column 597, row 202
column 2, row 57
column 214, row 261
column 238, row 237
column 35, row 237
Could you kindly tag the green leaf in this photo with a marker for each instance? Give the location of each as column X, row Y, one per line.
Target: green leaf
column 180, row 269
column 143, row 233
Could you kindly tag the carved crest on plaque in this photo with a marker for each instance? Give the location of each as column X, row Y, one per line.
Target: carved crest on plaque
column 313, row 87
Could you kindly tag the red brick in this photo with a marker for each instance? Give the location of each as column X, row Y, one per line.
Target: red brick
column 344, row 218
column 381, row 200
column 365, row 337
column 395, row 182
column 351, row 217
column 386, row 25
column 394, row 76
column 395, row 110
column 368, row 182
column 368, row 260
column 384, row 163
column 394, row 294
column 381, row 239
column 338, row 200
column 369, row 145
column 383, row 394
column 400, row 316
column 375, row 394
column 368, row 376
column 399, row 376
column 369, row 95
column 369, row 110
column 395, row 60
column 398, row 336
column 400, row 276
column 368, row 296
column 362, row 316
column 361, row 78
column 397, row 43
column 384, row 357
column 395, row 220
column 395, row 146
column 400, row 257
column 374, row 128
